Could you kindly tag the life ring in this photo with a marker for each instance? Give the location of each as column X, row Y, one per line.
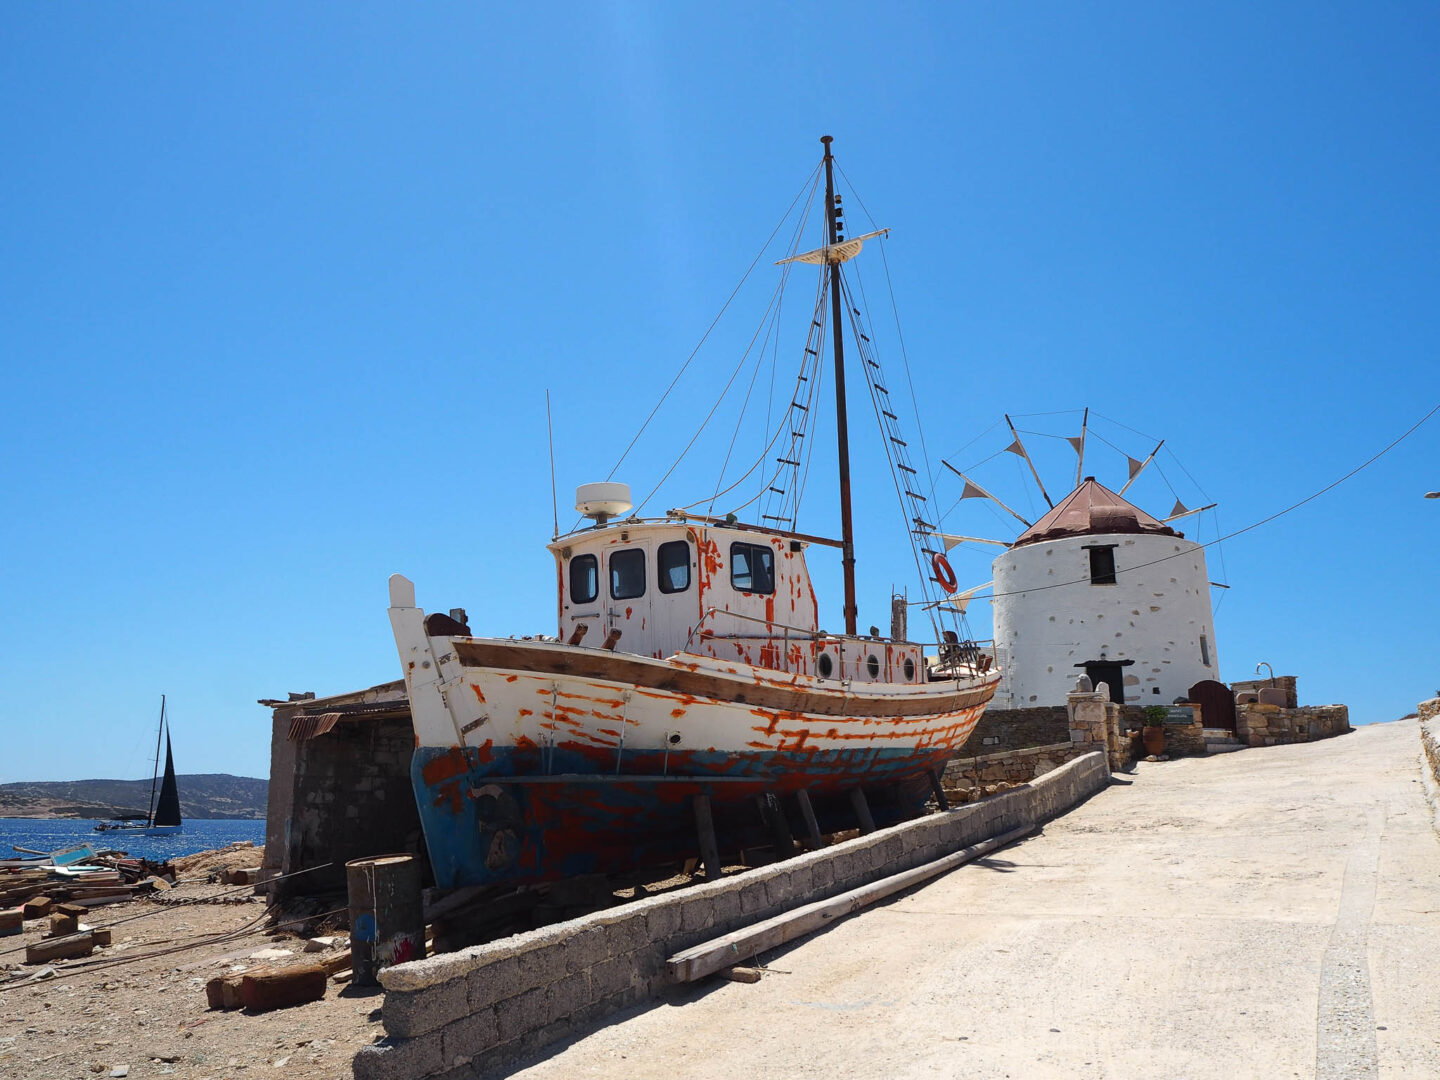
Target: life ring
column 944, row 574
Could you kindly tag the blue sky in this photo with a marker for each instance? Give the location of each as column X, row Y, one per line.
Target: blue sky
column 283, row 286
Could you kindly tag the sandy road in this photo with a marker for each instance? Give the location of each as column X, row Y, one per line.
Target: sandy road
column 1269, row 913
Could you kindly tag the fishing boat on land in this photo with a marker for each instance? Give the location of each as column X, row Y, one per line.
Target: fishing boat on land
column 690, row 692
column 163, row 816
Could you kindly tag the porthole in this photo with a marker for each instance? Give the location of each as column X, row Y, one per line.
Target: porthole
column 825, row 666
column 909, row 670
column 872, row 665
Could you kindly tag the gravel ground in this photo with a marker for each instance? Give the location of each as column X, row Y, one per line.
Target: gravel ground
column 1268, row 913
column 149, row 1016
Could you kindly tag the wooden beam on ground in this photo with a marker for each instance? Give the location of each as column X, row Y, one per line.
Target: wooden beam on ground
column 862, row 810
column 60, row 948
column 705, row 829
column 812, row 826
column 722, row 952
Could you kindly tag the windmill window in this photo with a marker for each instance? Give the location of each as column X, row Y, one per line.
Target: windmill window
column 627, row 574
column 1204, row 651
column 672, row 563
column 1102, row 565
column 584, row 579
column 752, row 568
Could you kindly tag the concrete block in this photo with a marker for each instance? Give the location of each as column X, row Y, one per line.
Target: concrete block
column 551, row 1032
column 570, row 994
column 802, row 884
column 542, row 966
column 663, row 919
column 399, row 1059
column 626, row 935
column 697, row 913
column 752, row 898
column 493, row 982
column 585, row 948
column 611, row 977
column 892, row 849
column 468, row 1038
column 777, row 891
column 822, row 874
column 727, row 910
column 526, row 1012
column 407, row 1014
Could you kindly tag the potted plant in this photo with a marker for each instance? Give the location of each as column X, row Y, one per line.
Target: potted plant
column 1154, row 733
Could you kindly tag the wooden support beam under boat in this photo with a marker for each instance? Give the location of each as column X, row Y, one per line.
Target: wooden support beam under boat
column 812, row 826
column 705, row 832
column 862, row 810
column 773, row 813
column 939, row 791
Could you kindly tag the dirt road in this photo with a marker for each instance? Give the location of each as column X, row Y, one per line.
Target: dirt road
column 1268, row 913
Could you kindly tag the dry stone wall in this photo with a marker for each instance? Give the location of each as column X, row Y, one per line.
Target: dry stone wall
column 1271, row 725
column 1009, row 766
column 1018, row 729
column 465, row 1014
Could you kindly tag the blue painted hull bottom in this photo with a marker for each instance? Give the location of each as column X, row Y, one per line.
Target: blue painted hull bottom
column 495, row 816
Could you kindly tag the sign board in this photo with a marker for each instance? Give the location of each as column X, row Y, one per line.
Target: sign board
column 1179, row 714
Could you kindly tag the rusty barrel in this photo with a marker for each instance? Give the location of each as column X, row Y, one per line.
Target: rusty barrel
column 387, row 915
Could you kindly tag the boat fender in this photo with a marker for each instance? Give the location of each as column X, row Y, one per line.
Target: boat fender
column 944, row 574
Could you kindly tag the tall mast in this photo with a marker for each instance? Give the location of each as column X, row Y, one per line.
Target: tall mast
column 159, row 732
column 842, row 425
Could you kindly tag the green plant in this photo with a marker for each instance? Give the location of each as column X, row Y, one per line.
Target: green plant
column 1154, row 715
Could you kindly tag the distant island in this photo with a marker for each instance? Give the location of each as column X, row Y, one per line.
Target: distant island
column 202, row 795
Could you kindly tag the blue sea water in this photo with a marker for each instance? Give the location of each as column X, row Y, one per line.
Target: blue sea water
column 52, row 835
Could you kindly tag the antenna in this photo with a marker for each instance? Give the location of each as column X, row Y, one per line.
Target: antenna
column 550, row 434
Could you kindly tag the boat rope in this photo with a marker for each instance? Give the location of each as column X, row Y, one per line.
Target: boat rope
column 810, row 183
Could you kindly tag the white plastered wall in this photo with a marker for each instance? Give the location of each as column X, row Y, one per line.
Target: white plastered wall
column 1049, row 618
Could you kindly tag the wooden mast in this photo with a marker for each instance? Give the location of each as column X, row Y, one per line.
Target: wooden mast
column 842, row 426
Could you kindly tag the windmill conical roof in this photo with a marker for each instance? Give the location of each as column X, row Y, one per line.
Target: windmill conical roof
column 1091, row 509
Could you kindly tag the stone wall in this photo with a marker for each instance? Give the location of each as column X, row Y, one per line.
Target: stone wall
column 1018, row 729
column 1182, row 739
column 463, row 1014
column 972, row 774
column 1096, row 725
column 1280, row 682
column 1430, row 755
column 1428, row 710
column 1270, row 725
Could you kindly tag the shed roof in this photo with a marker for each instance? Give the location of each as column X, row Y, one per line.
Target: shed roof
column 1091, row 509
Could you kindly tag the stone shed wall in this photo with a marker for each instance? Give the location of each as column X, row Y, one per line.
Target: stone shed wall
column 1018, row 729
column 464, row 1013
column 1270, row 725
column 1280, row 682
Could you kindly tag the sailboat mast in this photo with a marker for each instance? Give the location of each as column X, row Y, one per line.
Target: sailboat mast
column 155, row 775
column 842, row 425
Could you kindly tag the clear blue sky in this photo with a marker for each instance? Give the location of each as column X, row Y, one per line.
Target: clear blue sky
column 282, row 287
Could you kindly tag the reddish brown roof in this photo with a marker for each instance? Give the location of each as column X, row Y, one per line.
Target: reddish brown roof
column 1090, row 509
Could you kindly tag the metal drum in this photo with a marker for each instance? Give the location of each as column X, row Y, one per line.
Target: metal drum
column 387, row 915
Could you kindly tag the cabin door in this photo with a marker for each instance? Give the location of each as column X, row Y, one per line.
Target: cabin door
column 627, row 582
column 1217, row 704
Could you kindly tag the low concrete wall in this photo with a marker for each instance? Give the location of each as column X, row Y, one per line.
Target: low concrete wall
column 1270, row 725
column 1009, row 766
column 462, row 1014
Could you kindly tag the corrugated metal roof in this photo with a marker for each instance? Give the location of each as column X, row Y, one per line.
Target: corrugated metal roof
column 1092, row 509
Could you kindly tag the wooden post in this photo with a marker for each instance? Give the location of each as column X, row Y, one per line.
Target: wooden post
column 387, row 915
column 705, row 830
column 862, row 810
column 940, row 799
column 812, row 827
column 773, row 812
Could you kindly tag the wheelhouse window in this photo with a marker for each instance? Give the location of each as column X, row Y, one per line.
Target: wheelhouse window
column 584, row 579
column 627, row 574
column 672, row 564
column 752, row 568
column 1102, row 565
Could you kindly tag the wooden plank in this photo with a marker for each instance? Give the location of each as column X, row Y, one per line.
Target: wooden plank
column 862, row 810
column 60, row 948
column 279, row 988
column 723, row 952
column 705, row 829
column 812, row 826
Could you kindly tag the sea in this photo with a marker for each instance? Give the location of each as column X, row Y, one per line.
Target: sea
column 54, row 834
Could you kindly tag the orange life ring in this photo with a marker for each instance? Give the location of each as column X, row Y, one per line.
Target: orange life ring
column 944, row 574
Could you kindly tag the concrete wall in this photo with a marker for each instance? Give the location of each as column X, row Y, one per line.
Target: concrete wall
column 1153, row 615
column 971, row 776
column 461, row 1014
column 1270, row 725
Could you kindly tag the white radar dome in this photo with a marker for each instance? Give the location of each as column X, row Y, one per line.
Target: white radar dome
column 603, row 500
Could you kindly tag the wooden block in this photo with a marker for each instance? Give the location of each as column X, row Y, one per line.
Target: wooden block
column 223, row 991
column 62, row 923
column 741, row 974
column 279, row 988
column 339, row 962
column 102, row 936
column 72, row 909
column 37, row 907
column 12, row 921
column 60, row 948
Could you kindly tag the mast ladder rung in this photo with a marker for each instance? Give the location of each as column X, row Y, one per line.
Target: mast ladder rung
column 864, row 338
column 887, row 412
column 922, row 523
column 811, row 351
column 872, row 363
column 898, row 441
column 775, row 517
column 908, row 469
column 930, row 552
column 856, row 310
column 882, row 389
column 787, row 461
column 916, row 495
column 815, row 324
column 796, row 434
column 777, row 491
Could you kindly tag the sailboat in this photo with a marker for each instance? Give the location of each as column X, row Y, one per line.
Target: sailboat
column 163, row 817
column 690, row 701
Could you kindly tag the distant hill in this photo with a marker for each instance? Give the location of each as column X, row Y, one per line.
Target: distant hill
column 202, row 795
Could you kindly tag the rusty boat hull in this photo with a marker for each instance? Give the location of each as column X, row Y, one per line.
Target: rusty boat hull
column 552, row 760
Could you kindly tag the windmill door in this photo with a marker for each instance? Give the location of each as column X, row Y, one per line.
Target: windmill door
column 1217, row 704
